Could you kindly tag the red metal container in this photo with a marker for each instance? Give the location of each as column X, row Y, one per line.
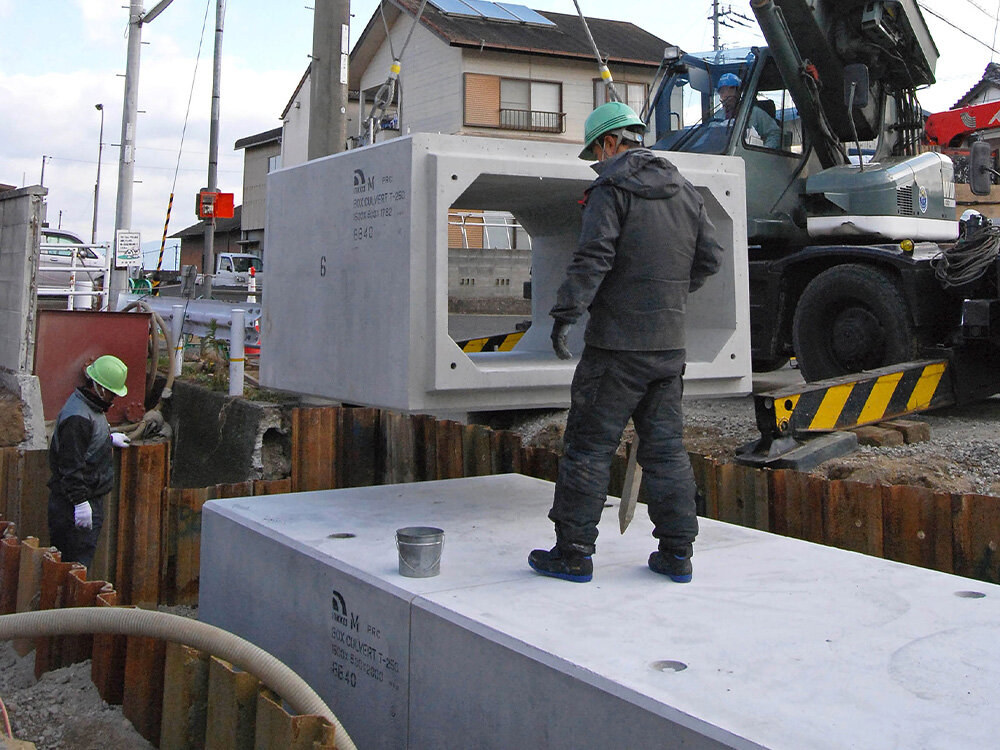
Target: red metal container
column 68, row 341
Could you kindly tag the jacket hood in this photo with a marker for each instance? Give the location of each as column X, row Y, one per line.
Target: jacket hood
column 641, row 172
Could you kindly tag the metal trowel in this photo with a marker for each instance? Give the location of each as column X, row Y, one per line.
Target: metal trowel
column 630, row 487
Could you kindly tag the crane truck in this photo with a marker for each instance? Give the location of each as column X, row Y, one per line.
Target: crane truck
column 849, row 224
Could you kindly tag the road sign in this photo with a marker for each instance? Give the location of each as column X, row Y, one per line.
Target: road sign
column 128, row 252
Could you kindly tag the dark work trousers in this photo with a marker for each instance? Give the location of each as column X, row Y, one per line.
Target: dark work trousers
column 608, row 388
column 76, row 545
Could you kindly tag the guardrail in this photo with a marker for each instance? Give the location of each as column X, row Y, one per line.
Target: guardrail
column 203, row 317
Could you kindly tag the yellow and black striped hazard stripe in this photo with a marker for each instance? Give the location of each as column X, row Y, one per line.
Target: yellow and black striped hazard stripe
column 854, row 400
column 502, row 342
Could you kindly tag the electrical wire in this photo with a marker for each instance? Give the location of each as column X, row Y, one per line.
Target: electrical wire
column 957, row 28
column 180, row 150
column 980, row 8
column 968, row 259
column 996, row 23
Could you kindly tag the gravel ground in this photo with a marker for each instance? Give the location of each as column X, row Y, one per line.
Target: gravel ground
column 963, row 454
column 63, row 710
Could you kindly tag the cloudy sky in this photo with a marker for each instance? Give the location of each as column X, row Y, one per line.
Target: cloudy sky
column 58, row 58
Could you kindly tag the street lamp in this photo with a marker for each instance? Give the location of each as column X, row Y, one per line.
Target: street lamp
column 97, row 185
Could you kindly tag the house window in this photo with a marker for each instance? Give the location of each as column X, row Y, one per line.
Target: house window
column 633, row 94
column 273, row 163
column 513, row 103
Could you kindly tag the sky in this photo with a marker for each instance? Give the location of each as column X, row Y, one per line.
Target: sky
column 59, row 58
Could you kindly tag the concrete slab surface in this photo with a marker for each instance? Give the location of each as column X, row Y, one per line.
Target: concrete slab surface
column 777, row 643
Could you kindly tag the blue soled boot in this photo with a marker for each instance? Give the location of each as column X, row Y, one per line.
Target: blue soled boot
column 564, row 564
column 673, row 563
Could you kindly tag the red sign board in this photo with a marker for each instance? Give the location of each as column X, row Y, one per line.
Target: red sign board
column 219, row 205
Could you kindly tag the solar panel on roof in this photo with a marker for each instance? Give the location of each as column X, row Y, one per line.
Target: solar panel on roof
column 491, row 10
column 455, row 6
column 487, row 9
column 526, row 14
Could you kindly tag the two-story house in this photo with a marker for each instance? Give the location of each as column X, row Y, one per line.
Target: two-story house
column 487, row 69
column 473, row 68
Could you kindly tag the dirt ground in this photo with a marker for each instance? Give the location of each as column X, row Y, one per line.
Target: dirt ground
column 62, row 710
column 11, row 419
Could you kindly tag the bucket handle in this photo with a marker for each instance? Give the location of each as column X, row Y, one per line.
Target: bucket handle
column 402, row 557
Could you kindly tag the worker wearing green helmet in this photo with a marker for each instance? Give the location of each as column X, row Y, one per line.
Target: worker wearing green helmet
column 646, row 242
column 80, row 459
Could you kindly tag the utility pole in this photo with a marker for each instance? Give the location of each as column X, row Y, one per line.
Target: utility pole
column 715, row 25
column 97, row 185
column 328, row 78
column 208, row 248
column 728, row 18
column 41, row 179
column 130, row 113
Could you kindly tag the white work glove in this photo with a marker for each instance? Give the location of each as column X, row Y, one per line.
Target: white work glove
column 83, row 515
column 120, row 439
column 559, row 331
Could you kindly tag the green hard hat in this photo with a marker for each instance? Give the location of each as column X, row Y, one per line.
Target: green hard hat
column 604, row 119
column 110, row 372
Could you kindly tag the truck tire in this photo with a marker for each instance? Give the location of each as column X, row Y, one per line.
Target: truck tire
column 851, row 318
column 768, row 365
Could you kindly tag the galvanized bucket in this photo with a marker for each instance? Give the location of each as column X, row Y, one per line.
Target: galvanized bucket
column 419, row 551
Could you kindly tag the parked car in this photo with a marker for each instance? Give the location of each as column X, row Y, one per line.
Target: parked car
column 58, row 246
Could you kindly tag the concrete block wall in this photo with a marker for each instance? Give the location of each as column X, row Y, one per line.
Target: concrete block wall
column 20, row 219
column 496, row 273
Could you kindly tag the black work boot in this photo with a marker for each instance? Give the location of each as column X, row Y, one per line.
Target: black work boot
column 674, row 563
column 565, row 564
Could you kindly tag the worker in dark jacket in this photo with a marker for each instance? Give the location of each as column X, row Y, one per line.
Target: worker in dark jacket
column 646, row 242
column 81, row 461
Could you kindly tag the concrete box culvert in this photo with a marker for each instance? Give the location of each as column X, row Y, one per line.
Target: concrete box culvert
column 358, row 307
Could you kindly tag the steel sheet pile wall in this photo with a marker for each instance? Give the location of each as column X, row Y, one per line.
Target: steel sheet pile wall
column 337, row 447
column 175, row 696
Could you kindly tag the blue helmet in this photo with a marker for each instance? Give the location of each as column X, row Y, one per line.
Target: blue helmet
column 728, row 79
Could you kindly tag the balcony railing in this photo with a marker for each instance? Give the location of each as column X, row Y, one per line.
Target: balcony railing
column 531, row 120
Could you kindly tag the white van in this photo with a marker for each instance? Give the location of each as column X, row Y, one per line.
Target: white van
column 55, row 267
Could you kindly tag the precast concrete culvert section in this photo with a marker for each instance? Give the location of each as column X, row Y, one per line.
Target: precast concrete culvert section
column 149, row 624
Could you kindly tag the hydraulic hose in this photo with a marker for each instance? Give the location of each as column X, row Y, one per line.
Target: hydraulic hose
column 176, row 629
column 134, row 431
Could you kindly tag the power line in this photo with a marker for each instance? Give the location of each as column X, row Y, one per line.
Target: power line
column 980, row 8
column 996, row 23
column 957, row 28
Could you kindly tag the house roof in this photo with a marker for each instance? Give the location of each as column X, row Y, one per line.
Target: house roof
column 990, row 79
column 295, row 93
column 618, row 41
column 268, row 136
column 222, row 226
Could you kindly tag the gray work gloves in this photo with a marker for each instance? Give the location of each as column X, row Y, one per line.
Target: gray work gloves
column 559, row 331
column 83, row 515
